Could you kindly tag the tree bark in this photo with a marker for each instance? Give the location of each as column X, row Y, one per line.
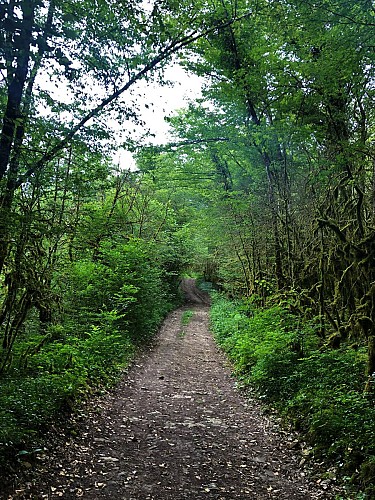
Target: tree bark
column 17, row 85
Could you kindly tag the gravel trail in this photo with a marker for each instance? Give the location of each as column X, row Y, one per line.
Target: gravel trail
column 176, row 427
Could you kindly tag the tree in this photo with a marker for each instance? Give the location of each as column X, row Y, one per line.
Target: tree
column 294, row 83
column 97, row 52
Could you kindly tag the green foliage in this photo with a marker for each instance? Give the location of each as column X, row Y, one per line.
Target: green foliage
column 319, row 391
column 248, row 340
column 186, row 317
column 56, row 376
column 110, row 305
column 185, row 320
column 125, row 280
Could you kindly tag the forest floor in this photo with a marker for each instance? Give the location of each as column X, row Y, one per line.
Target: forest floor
column 175, row 427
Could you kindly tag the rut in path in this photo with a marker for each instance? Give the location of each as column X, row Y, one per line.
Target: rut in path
column 174, row 428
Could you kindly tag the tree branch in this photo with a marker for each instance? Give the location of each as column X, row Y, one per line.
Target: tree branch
column 191, row 142
column 174, row 47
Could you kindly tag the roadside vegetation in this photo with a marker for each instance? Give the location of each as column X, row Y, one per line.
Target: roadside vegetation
column 108, row 308
column 317, row 390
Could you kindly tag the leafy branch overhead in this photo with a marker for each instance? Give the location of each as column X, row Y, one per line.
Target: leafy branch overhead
column 144, row 61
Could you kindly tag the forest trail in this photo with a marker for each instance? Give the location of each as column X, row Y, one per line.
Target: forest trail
column 174, row 428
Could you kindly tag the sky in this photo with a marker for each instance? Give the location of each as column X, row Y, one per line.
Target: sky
column 151, row 101
column 162, row 101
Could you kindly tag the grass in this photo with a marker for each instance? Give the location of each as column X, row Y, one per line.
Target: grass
column 185, row 320
column 186, row 317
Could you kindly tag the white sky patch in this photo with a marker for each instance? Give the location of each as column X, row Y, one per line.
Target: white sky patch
column 157, row 102
column 153, row 100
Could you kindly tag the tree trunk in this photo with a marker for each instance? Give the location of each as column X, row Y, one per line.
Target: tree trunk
column 370, row 385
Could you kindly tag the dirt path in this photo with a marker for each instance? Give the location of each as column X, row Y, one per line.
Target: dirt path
column 174, row 428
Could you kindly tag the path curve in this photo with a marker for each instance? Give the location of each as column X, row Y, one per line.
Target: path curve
column 175, row 428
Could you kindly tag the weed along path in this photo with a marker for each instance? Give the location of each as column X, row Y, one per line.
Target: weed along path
column 175, row 428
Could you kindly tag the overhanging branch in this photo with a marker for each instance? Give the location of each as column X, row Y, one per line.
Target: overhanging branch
column 174, row 47
column 192, row 142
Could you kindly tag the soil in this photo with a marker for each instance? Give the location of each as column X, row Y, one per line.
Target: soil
column 175, row 427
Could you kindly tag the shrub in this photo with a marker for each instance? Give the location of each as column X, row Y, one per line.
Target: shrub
column 108, row 306
column 319, row 391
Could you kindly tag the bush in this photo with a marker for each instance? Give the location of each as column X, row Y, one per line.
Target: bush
column 108, row 307
column 127, row 278
column 55, row 377
column 319, row 392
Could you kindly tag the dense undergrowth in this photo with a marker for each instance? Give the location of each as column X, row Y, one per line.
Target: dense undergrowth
column 108, row 308
column 316, row 389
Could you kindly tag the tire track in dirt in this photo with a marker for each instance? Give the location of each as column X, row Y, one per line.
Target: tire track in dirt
column 175, row 428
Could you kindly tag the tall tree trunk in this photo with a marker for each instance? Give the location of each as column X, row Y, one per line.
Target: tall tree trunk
column 275, row 227
column 17, row 85
column 12, row 120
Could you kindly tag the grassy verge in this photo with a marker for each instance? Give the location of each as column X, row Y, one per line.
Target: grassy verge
column 319, row 390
